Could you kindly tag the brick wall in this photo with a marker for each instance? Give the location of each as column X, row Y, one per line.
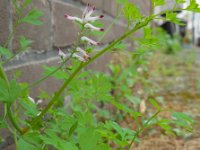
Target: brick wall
column 55, row 32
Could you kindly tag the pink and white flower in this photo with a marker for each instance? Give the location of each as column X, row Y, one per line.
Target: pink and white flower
column 73, row 18
column 81, row 55
column 88, row 25
column 85, row 21
column 80, row 50
column 92, row 42
column 92, row 19
column 62, row 54
column 86, row 17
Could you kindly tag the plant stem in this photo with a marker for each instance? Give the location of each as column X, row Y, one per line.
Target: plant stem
column 82, row 65
column 142, row 128
column 57, row 94
column 12, row 120
column 45, row 77
column 3, row 75
column 58, row 68
column 8, row 106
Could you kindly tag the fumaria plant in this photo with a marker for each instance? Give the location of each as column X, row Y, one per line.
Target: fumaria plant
column 76, row 119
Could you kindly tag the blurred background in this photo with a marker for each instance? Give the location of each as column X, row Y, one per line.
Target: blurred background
column 170, row 74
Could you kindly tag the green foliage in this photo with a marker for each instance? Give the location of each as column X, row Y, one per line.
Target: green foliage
column 24, row 43
column 148, row 41
column 131, row 12
column 183, row 120
column 158, row 2
column 194, row 6
column 10, row 92
column 168, row 44
column 180, row 1
column 172, row 18
column 155, row 104
column 117, row 134
column 33, row 17
column 29, row 108
column 5, row 52
column 31, row 141
column 94, row 87
column 60, row 74
column 3, row 123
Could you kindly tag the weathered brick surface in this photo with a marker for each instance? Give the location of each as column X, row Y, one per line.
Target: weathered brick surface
column 97, row 3
column 4, row 20
column 65, row 31
column 33, row 71
column 40, row 35
column 116, row 30
column 101, row 64
column 110, row 7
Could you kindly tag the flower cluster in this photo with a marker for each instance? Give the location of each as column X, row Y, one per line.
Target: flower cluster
column 85, row 21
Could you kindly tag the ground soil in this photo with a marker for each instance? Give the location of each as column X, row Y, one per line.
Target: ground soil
column 177, row 80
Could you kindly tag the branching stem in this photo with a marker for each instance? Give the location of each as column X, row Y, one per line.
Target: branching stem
column 142, row 128
column 82, row 65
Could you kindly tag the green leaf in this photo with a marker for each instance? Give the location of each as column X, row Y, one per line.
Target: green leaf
column 24, row 43
column 172, row 17
column 183, row 120
column 33, row 137
column 29, row 107
column 9, row 93
column 182, row 116
column 131, row 12
column 158, row 2
column 88, row 139
column 5, row 52
column 4, row 91
column 155, row 104
column 165, row 125
column 73, row 128
column 3, row 123
column 120, row 46
column 119, row 135
column 33, row 17
column 126, row 109
column 26, row 3
column 14, row 90
column 51, row 138
column 180, row 1
column 194, row 6
column 102, row 147
column 25, row 145
column 60, row 74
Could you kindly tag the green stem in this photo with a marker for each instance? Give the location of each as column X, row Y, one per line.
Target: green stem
column 57, row 94
column 142, row 128
column 45, row 77
column 82, row 65
column 12, row 120
column 8, row 106
column 11, row 34
column 58, row 68
column 3, row 75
